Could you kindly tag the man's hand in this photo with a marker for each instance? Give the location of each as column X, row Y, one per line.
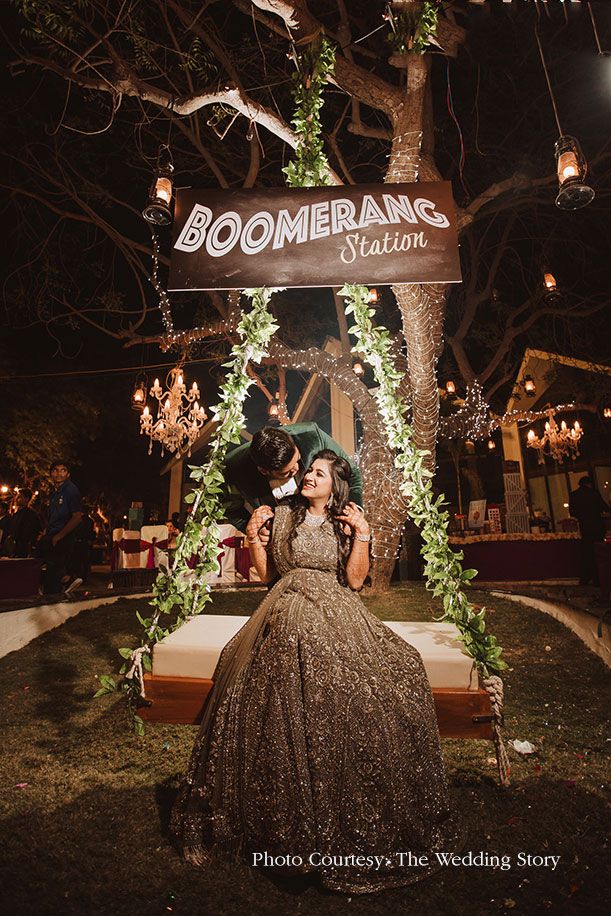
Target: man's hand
column 255, row 532
column 55, row 540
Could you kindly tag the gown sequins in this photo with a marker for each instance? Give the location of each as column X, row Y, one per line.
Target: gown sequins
column 319, row 739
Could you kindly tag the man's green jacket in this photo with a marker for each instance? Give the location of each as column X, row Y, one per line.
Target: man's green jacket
column 244, row 484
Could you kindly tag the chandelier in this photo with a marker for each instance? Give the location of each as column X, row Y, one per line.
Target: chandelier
column 557, row 441
column 179, row 415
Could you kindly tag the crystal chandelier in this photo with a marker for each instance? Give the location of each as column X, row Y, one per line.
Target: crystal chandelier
column 557, row 441
column 179, row 415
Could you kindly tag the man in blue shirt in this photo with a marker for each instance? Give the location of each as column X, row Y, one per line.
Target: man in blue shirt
column 65, row 514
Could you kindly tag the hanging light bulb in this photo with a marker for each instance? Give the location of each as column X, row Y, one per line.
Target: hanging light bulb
column 529, row 386
column 491, row 445
column 373, row 295
column 572, row 168
column 531, row 435
column 607, row 413
column 272, row 409
column 450, row 387
column 158, row 210
column 358, row 368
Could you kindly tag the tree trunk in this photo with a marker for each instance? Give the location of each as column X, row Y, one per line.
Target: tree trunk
column 421, row 306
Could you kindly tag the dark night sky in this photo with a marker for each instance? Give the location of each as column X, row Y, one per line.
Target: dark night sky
column 519, row 99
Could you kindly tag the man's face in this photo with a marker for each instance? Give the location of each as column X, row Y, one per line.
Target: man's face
column 59, row 474
column 285, row 473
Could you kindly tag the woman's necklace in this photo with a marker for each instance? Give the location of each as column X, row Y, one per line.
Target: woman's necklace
column 313, row 521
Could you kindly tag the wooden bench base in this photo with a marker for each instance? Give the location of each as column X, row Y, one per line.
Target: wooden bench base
column 180, row 700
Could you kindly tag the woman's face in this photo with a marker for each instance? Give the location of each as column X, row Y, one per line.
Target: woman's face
column 317, row 481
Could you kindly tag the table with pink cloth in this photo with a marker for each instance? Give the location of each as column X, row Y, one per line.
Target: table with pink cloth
column 520, row 558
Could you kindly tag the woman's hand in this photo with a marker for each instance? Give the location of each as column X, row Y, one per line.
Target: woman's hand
column 354, row 520
column 255, row 532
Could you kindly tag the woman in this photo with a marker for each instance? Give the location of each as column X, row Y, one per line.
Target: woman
column 319, row 739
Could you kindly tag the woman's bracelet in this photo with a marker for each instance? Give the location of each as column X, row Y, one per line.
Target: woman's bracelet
column 363, row 537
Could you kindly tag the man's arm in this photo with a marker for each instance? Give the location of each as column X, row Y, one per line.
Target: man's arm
column 72, row 523
column 356, row 481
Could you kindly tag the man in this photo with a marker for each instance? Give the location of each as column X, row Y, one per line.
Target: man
column 588, row 506
column 24, row 527
column 65, row 514
column 270, row 467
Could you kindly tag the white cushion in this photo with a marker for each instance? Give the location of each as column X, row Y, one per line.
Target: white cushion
column 194, row 649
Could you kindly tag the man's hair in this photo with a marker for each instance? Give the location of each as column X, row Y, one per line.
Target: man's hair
column 59, row 464
column 585, row 481
column 271, row 448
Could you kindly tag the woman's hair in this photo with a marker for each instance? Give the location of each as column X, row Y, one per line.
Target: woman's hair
column 340, row 490
column 271, row 449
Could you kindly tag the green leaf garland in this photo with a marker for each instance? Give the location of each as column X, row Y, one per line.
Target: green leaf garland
column 310, row 166
column 444, row 574
column 182, row 592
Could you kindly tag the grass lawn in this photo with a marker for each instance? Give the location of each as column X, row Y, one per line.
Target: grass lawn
column 85, row 804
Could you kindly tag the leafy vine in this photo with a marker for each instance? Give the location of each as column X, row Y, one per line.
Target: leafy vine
column 182, row 591
column 444, row 574
column 310, row 166
column 413, row 31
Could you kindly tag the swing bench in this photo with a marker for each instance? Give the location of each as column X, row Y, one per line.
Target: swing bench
column 184, row 662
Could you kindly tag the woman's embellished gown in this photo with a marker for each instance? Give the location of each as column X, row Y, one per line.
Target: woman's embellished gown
column 319, row 738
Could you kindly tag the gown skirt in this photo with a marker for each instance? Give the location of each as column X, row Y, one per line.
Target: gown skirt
column 319, row 739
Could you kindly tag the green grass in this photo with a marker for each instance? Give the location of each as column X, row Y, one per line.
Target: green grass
column 88, row 833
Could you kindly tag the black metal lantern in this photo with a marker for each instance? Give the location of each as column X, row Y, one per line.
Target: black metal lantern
column 572, row 169
column 158, row 210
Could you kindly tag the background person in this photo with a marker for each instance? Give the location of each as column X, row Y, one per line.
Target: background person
column 24, row 528
column 65, row 514
column 588, row 507
column 5, row 521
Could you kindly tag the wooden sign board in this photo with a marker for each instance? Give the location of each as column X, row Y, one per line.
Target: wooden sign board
column 378, row 233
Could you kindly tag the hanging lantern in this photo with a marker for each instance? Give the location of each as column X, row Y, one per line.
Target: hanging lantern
column 373, row 295
column 139, row 393
column 607, row 413
column 272, row 409
column 529, row 386
column 491, row 445
column 572, row 168
column 450, row 387
column 358, row 368
column 549, row 281
column 158, row 210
